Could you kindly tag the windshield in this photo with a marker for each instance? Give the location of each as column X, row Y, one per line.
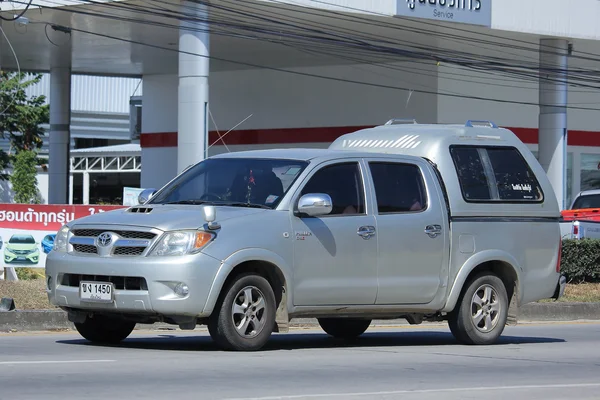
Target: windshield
column 22, row 240
column 588, row 201
column 233, row 181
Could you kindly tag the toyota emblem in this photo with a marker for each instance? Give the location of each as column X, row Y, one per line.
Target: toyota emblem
column 105, row 239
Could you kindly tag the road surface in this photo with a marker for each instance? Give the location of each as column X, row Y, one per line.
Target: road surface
column 550, row 361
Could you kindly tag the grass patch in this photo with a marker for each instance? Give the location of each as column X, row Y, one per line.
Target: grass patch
column 28, row 295
column 583, row 292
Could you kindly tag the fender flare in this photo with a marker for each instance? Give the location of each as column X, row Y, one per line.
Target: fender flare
column 237, row 258
column 472, row 263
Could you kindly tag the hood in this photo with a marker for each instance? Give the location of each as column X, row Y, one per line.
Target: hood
column 21, row 246
column 164, row 217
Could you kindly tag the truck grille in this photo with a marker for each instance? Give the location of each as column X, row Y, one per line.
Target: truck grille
column 85, row 248
column 121, row 243
column 124, row 234
column 128, row 251
column 120, row 282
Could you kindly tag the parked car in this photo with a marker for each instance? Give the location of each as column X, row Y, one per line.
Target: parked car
column 423, row 222
column 582, row 219
column 48, row 243
column 21, row 248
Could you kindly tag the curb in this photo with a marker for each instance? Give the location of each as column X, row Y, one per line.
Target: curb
column 49, row 320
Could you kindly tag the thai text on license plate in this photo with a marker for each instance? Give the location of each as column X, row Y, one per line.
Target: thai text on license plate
column 96, row 291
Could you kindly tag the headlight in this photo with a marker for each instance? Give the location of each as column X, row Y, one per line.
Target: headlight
column 61, row 240
column 179, row 243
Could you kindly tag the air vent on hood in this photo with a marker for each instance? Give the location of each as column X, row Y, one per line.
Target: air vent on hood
column 143, row 210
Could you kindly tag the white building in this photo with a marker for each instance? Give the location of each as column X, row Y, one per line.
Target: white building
column 302, row 72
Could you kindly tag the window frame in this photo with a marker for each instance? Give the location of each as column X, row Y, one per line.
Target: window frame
column 403, row 163
column 335, row 163
column 489, row 169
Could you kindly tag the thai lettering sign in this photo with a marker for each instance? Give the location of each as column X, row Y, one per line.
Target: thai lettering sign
column 476, row 12
column 27, row 231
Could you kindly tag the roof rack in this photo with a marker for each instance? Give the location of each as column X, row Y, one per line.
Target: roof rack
column 472, row 122
column 398, row 121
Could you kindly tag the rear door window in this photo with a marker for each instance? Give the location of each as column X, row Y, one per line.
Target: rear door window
column 471, row 176
column 495, row 174
column 399, row 187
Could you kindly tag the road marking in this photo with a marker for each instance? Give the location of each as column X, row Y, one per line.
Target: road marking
column 54, row 362
column 417, row 391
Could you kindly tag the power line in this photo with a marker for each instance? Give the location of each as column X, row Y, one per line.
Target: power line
column 280, row 69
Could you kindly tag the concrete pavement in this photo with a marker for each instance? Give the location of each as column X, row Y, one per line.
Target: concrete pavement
column 551, row 361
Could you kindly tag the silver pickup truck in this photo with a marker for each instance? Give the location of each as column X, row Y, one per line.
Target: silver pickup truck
column 422, row 222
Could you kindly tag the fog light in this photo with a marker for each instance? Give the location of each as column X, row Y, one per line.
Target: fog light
column 182, row 290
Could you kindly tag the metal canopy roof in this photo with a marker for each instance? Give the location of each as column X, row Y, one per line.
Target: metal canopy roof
column 117, row 159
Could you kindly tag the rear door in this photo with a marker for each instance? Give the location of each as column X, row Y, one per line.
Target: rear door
column 412, row 231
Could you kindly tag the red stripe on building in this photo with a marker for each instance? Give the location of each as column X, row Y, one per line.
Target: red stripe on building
column 328, row 135
column 162, row 139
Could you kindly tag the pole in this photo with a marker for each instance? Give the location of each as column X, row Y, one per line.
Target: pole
column 553, row 113
column 192, row 119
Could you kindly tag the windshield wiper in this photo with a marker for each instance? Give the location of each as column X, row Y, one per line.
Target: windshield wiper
column 242, row 204
column 187, row 202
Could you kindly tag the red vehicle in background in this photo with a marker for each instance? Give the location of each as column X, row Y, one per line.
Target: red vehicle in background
column 585, row 207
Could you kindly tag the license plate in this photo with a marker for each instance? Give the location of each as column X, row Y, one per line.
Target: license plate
column 96, row 291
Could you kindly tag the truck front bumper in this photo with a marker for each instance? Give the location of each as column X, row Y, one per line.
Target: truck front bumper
column 560, row 287
column 141, row 285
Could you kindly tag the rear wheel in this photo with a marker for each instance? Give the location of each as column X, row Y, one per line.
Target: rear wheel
column 105, row 330
column 245, row 315
column 480, row 316
column 344, row 328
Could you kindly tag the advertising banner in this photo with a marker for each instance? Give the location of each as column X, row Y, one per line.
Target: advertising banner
column 27, row 231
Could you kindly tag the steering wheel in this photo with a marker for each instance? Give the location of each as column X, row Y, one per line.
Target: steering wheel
column 207, row 197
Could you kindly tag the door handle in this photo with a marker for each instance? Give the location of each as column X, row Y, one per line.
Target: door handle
column 433, row 231
column 366, row 232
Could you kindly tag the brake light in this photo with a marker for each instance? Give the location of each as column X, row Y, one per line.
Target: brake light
column 559, row 256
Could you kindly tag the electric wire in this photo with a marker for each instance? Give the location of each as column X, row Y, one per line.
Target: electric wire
column 317, row 76
column 27, row 5
column 531, row 77
column 208, row 22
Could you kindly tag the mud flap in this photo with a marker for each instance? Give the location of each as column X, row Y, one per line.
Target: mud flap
column 282, row 321
column 513, row 308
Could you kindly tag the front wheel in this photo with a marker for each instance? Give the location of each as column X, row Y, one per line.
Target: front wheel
column 105, row 330
column 344, row 328
column 245, row 315
column 480, row 316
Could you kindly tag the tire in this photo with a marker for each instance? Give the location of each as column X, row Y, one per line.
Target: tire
column 466, row 322
column 237, row 325
column 344, row 328
column 105, row 330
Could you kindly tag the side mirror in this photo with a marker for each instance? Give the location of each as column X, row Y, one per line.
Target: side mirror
column 146, row 195
column 315, row 204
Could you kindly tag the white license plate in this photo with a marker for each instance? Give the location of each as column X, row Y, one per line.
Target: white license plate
column 96, row 291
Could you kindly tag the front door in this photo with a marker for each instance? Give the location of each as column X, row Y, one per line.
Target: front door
column 412, row 232
column 333, row 263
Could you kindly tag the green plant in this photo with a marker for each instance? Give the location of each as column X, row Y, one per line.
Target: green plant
column 28, row 274
column 23, row 178
column 21, row 115
column 581, row 260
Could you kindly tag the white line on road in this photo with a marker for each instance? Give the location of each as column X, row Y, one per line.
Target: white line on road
column 54, row 362
column 417, row 391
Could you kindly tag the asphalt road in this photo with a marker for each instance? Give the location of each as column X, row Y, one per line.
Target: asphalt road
column 551, row 361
